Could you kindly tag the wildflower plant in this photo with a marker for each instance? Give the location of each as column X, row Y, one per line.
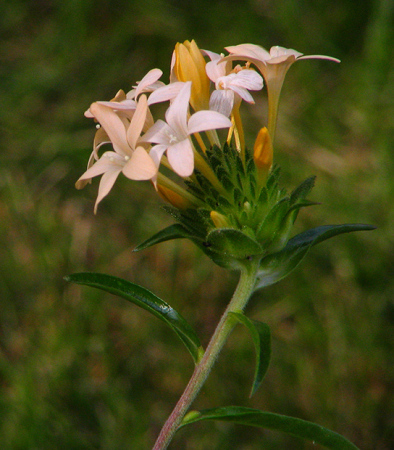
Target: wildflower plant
column 224, row 197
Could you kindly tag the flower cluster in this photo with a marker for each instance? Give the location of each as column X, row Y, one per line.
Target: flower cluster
column 226, row 198
column 204, row 96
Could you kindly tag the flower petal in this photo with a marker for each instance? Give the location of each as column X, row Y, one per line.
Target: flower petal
column 137, row 122
column 248, row 79
column 156, row 153
column 140, row 166
column 249, row 50
column 212, row 55
column 151, row 77
column 222, row 101
column 283, row 53
column 181, row 158
column 125, row 105
column 329, row 58
column 243, row 93
column 159, row 133
column 207, row 120
column 215, row 69
column 176, row 115
column 165, row 93
column 109, row 161
column 113, row 126
column 100, row 138
column 106, row 183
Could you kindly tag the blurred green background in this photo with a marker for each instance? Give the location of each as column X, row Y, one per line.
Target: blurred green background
column 81, row 369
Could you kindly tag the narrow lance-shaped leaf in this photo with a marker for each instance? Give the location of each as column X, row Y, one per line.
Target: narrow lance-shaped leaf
column 262, row 342
column 278, row 265
column 290, row 425
column 176, row 231
column 146, row 300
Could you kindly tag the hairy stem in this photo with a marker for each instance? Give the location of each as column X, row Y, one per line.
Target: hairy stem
column 238, row 302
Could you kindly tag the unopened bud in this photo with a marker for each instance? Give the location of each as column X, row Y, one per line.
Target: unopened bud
column 190, row 66
column 263, row 154
column 173, row 198
column 219, row 220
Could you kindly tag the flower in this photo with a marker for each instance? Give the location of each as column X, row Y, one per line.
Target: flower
column 231, row 85
column 273, row 65
column 173, row 135
column 132, row 160
column 149, row 83
column 188, row 64
column 166, row 92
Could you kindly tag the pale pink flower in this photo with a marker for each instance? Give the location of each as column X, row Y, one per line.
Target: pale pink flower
column 126, row 104
column 166, row 93
column 273, row 65
column 119, row 103
column 173, row 136
column 149, row 83
column 231, row 85
column 129, row 158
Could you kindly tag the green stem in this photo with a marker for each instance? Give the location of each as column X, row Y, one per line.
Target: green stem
column 238, row 302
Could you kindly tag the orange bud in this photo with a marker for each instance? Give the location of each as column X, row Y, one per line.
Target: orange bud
column 263, row 155
column 173, row 198
column 263, row 152
column 190, row 66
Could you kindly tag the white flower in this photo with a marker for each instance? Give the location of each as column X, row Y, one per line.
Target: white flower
column 273, row 65
column 119, row 103
column 149, row 83
column 132, row 160
column 166, row 93
column 173, row 136
column 230, row 85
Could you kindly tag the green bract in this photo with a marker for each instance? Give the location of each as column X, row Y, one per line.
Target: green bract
column 241, row 221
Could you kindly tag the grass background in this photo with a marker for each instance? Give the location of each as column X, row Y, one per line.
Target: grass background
column 80, row 369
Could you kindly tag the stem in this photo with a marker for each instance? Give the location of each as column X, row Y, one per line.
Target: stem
column 238, row 302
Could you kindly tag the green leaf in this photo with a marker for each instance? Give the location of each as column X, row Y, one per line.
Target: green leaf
column 146, row 300
column 290, row 425
column 176, row 231
column 262, row 343
column 302, row 190
column 273, row 219
column 278, row 265
column 233, row 242
column 319, row 234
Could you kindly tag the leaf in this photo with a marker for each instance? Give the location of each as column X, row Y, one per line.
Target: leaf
column 146, row 300
column 290, row 425
column 262, row 343
column 176, row 231
column 302, row 190
column 278, row 265
column 233, row 242
column 319, row 234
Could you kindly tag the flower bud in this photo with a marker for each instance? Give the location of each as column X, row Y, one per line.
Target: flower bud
column 190, row 66
column 263, row 154
column 173, row 198
column 219, row 220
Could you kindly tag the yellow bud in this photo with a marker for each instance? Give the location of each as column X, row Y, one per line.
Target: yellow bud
column 219, row 220
column 263, row 154
column 173, row 198
column 190, row 66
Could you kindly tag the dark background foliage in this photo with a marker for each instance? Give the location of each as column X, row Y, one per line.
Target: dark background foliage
column 81, row 369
